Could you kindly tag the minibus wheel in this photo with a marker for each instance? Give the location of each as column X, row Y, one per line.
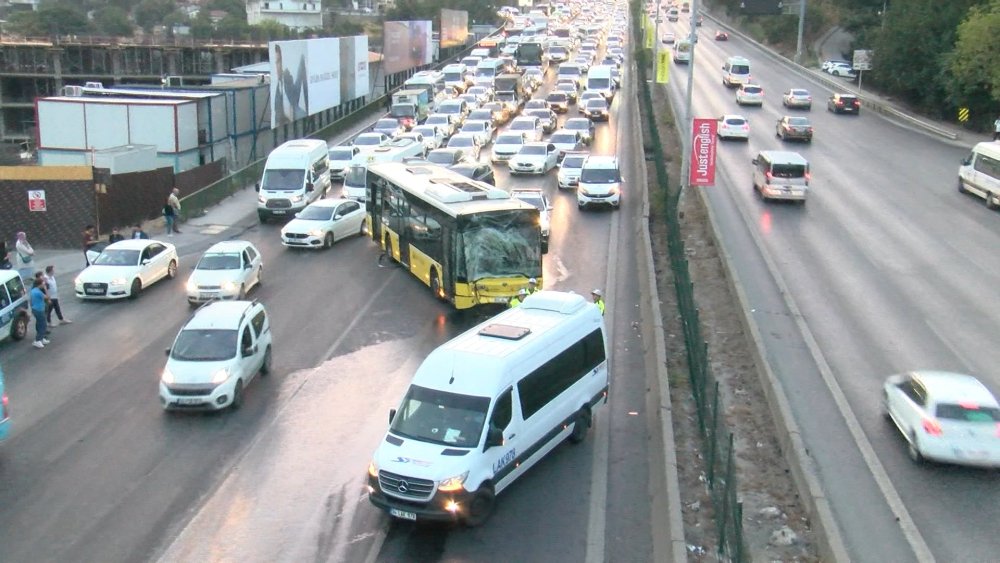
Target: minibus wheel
column 580, row 426
column 480, row 507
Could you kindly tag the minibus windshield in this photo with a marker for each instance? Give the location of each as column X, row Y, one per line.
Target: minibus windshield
column 279, row 179
column 439, row 417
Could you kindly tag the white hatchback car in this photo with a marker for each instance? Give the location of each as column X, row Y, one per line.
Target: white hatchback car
column 566, row 141
column 125, row 268
column 433, row 136
column 506, row 146
column 733, row 127
column 530, row 126
column 323, row 223
column 944, row 416
column 569, row 170
column 750, row 95
column 228, row 270
column 534, row 158
column 218, row 352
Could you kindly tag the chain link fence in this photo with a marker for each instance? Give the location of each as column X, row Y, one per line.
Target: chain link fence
column 718, row 441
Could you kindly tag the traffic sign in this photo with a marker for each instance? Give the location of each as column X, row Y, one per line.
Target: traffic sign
column 963, row 114
column 862, row 59
column 36, row 200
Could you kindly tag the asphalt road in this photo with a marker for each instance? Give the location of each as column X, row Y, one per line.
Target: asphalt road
column 891, row 269
column 96, row 472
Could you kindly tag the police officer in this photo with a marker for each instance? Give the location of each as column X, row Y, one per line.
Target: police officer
column 598, row 300
column 517, row 299
column 533, row 286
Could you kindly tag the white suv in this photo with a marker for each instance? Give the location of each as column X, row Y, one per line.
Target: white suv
column 217, row 353
column 600, row 182
column 227, row 270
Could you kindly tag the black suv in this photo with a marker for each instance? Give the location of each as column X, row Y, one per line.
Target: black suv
column 844, row 103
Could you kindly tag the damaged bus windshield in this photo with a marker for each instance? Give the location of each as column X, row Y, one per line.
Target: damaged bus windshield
column 469, row 242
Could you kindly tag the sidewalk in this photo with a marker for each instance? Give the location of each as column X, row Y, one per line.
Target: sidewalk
column 833, row 45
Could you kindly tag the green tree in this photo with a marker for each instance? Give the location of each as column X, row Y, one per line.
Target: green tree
column 149, row 13
column 236, row 8
column 56, row 19
column 201, row 26
column 113, row 20
column 233, row 27
column 973, row 63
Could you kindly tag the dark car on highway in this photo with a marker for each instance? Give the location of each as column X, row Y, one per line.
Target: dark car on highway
column 792, row 127
column 844, row 103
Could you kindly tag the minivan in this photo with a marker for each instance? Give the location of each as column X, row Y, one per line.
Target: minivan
column 296, row 174
column 736, row 71
column 781, row 175
column 682, row 51
column 980, row 173
column 13, row 306
column 486, row 406
column 600, row 182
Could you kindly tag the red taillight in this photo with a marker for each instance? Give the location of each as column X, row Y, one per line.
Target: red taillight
column 998, row 430
column 6, row 415
column 746, row 127
column 968, row 405
column 810, row 129
column 808, row 177
column 932, row 427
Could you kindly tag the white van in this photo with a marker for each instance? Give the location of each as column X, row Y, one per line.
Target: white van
column 980, row 173
column 487, row 71
column 736, row 71
column 781, row 175
column 296, row 174
column 599, row 80
column 486, row 406
column 682, row 51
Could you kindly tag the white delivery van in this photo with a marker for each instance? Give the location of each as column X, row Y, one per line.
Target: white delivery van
column 980, row 173
column 484, row 407
column 487, row 71
column 736, row 71
column 599, row 80
column 782, row 175
column 296, row 174
column 356, row 178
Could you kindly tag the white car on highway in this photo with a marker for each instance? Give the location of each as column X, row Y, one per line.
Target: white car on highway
column 323, row 223
column 750, row 95
column 944, row 416
column 530, row 126
column 733, row 127
column 566, row 141
column 370, row 141
column 534, row 158
column 468, row 142
column 506, row 146
column 583, row 125
column 341, row 158
column 569, row 170
column 228, row 270
column 125, row 268
column 433, row 136
column 536, row 197
column 483, row 130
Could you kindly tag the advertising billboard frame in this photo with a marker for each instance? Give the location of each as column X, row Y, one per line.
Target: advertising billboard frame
column 406, row 45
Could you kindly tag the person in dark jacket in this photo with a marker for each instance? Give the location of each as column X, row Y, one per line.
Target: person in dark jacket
column 138, row 233
column 115, row 236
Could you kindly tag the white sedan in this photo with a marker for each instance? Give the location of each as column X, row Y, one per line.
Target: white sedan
column 433, row 136
column 750, row 94
column 228, row 270
column 733, row 127
column 323, row 223
column 125, row 268
column 944, row 416
column 468, row 142
column 534, row 158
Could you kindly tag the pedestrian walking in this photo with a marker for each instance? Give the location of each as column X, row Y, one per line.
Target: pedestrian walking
column 996, row 129
column 516, row 300
column 53, row 292
column 115, row 236
column 38, row 302
column 89, row 237
column 171, row 211
column 138, row 233
column 5, row 256
column 533, row 286
column 598, row 299
column 24, row 255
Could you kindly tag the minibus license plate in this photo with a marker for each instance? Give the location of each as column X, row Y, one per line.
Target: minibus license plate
column 403, row 514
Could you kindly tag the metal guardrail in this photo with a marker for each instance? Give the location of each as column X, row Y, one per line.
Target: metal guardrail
column 867, row 101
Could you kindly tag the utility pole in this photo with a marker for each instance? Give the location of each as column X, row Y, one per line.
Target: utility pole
column 802, row 25
column 688, row 116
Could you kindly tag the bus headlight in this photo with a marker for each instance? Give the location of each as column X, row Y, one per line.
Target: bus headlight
column 453, row 484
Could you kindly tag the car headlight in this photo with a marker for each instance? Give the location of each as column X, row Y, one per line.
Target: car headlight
column 78, row 281
column 261, row 199
column 452, row 484
column 296, row 198
column 167, row 376
column 191, row 286
column 119, row 281
column 316, row 233
column 229, row 286
column 372, row 468
column 220, row 376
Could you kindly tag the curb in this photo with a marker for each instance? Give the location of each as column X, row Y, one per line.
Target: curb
column 804, row 470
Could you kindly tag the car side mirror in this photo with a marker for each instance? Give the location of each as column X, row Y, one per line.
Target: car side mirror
column 256, row 187
column 248, row 351
column 754, row 161
column 247, row 266
column 145, row 261
column 966, row 161
column 392, row 415
column 494, row 437
column 167, row 351
column 337, row 217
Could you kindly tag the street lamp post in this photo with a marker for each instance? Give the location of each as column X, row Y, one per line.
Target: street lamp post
column 802, row 25
column 688, row 116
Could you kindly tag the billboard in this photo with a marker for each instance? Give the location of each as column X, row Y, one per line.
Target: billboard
column 407, row 44
column 703, row 152
column 305, row 78
column 454, row 27
column 354, row 75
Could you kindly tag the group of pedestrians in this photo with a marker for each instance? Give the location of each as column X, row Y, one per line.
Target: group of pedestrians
column 596, row 295
column 44, row 298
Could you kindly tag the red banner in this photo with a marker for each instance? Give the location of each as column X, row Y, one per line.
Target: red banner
column 703, row 153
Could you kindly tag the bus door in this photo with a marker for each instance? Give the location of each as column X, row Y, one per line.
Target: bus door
column 395, row 211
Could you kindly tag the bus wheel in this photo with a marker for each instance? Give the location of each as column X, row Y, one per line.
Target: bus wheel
column 580, row 426
column 480, row 507
column 436, row 285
